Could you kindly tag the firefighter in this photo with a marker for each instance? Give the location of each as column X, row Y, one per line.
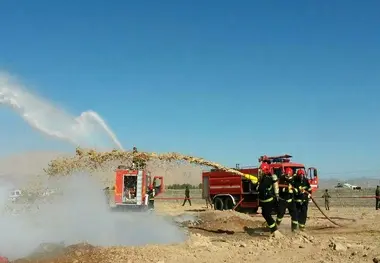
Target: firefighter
column 268, row 193
column 302, row 194
column 377, row 197
column 151, row 194
column 286, row 199
column 137, row 162
column 327, row 197
column 187, row 196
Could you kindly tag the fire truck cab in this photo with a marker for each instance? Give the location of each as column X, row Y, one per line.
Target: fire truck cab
column 229, row 191
column 131, row 188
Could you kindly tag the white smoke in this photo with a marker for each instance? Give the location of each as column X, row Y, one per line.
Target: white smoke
column 78, row 213
column 87, row 130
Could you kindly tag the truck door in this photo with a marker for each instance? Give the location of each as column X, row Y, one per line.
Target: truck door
column 119, row 187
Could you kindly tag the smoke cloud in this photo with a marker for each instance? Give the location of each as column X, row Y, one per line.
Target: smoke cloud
column 78, row 213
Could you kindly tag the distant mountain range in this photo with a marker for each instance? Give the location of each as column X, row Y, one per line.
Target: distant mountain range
column 364, row 182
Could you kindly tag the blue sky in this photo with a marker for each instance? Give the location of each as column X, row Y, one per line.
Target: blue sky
column 225, row 80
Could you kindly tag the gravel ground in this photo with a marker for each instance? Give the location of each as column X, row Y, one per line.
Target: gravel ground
column 229, row 236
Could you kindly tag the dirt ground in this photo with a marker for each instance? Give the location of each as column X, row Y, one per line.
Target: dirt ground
column 235, row 237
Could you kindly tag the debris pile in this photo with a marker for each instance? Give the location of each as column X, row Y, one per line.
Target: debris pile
column 91, row 160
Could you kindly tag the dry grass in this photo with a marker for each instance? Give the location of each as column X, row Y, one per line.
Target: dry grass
column 91, row 160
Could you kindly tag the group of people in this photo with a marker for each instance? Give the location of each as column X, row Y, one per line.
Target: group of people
column 290, row 192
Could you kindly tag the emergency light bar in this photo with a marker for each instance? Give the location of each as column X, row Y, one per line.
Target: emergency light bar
column 276, row 159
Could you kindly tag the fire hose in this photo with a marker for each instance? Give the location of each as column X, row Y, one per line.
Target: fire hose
column 248, row 176
column 323, row 213
column 312, row 199
column 319, row 208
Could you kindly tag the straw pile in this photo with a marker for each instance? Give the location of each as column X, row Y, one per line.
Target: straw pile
column 91, row 160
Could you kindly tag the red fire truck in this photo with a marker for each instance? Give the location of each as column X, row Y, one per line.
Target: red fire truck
column 131, row 187
column 229, row 191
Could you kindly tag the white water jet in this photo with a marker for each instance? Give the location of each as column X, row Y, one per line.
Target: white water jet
column 87, row 130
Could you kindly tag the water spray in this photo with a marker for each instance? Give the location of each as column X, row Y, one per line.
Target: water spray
column 48, row 119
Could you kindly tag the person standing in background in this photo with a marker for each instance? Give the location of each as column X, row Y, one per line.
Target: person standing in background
column 135, row 160
column 187, row 196
column 377, row 197
column 327, row 197
column 151, row 195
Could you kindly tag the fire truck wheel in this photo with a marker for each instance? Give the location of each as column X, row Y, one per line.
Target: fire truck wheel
column 228, row 204
column 218, row 204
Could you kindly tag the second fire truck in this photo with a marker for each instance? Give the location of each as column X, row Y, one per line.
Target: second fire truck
column 229, row 191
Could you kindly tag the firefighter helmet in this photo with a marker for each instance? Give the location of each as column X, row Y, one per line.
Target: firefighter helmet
column 300, row 172
column 265, row 168
column 289, row 171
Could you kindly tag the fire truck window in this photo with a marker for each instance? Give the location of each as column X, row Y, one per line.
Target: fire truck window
column 246, row 186
column 130, row 186
column 130, row 181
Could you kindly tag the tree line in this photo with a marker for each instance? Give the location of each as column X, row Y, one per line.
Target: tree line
column 183, row 186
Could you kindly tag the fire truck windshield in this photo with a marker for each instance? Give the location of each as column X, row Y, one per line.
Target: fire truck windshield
column 295, row 169
column 279, row 171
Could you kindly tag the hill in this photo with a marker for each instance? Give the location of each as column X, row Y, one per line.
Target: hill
column 364, row 182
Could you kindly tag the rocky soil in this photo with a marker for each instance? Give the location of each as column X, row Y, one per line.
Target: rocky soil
column 234, row 237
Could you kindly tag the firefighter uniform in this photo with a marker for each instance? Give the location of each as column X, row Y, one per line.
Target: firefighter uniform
column 151, row 194
column 286, row 199
column 267, row 195
column 138, row 163
column 302, row 193
column 187, row 196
